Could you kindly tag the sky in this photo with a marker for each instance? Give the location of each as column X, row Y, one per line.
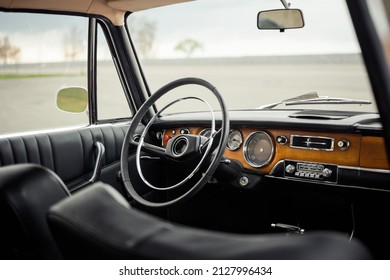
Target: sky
column 223, row 27
column 228, row 27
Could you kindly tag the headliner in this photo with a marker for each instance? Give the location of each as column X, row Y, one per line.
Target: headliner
column 112, row 9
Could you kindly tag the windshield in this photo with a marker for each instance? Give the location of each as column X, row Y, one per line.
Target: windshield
column 219, row 41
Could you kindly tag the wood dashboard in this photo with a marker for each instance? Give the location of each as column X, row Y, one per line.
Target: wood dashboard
column 362, row 151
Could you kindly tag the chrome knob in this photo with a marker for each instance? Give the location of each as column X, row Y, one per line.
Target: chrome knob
column 290, row 168
column 343, row 144
column 327, row 172
column 282, row 140
column 244, row 181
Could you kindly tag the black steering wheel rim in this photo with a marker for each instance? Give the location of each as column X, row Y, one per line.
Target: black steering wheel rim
column 129, row 140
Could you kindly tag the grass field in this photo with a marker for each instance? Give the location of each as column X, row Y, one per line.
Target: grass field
column 27, row 76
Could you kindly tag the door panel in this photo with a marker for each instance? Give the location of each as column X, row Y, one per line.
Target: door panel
column 70, row 154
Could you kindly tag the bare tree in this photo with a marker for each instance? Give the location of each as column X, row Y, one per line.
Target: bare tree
column 73, row 43
column 143, row 31
column 188, row 46
column 8, row 52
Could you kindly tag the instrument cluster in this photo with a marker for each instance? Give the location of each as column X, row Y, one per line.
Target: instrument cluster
column 257, row 148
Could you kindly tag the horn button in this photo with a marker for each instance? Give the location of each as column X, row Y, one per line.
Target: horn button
column 183, row 146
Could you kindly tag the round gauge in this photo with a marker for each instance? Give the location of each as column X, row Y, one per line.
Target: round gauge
column 258, row 149
column 234, row 140
column 205, row 132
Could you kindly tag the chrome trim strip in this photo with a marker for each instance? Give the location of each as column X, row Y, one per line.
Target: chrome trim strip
column 374, row 170
column 276, row 166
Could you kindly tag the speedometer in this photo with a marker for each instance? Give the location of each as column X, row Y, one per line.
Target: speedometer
column 258, row 149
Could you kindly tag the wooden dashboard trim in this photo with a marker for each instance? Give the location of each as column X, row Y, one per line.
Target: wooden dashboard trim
column 373, row 153
column 349, row 157
column 363, row 151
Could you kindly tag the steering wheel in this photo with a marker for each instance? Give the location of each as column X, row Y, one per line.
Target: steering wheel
column 180, row 147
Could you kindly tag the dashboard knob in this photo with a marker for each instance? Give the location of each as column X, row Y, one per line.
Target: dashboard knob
column 327, row 172
column 282, row 140
column 290, row 168
column 184, row 131
column 343, row 144
column 244, row 181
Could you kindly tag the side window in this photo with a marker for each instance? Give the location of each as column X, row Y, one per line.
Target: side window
column 111, row 100
column 40, row 54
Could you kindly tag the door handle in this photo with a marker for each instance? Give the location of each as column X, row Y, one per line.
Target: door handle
column 100, row 150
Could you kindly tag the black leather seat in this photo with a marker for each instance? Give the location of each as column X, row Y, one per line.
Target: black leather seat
column 26, row 193
column 98, row 223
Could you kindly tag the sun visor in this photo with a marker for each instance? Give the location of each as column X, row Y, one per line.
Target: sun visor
column 137, row 5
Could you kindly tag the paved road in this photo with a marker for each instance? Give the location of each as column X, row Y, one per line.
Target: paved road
column 29, row 104
column 255, row 85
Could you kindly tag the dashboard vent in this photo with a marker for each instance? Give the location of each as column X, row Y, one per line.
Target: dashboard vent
column 312, row 142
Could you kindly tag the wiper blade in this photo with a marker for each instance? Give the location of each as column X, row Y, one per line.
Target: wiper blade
column 306, row 96
column 314, row 98
column 327, row 100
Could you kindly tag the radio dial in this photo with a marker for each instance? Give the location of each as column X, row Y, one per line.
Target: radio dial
column 290, row 168
column 327, row 172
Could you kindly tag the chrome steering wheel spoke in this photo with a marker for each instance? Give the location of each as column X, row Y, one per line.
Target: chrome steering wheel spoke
column 181, row 147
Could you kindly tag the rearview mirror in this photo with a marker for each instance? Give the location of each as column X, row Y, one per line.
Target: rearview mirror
column 72, row 99
column 280, row 19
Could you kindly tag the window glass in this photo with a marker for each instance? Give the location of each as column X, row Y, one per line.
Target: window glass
column 39, row 55
column 220, row 42
column 111, row 100
column 378, row 9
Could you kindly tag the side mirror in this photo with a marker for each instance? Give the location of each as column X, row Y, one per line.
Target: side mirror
column 72, row 100
column 280, row 19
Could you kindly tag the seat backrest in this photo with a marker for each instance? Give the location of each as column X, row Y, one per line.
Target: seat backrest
column 26, row 193
column 98, row 223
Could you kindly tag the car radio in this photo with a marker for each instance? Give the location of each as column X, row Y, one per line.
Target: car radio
column 310, row 170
